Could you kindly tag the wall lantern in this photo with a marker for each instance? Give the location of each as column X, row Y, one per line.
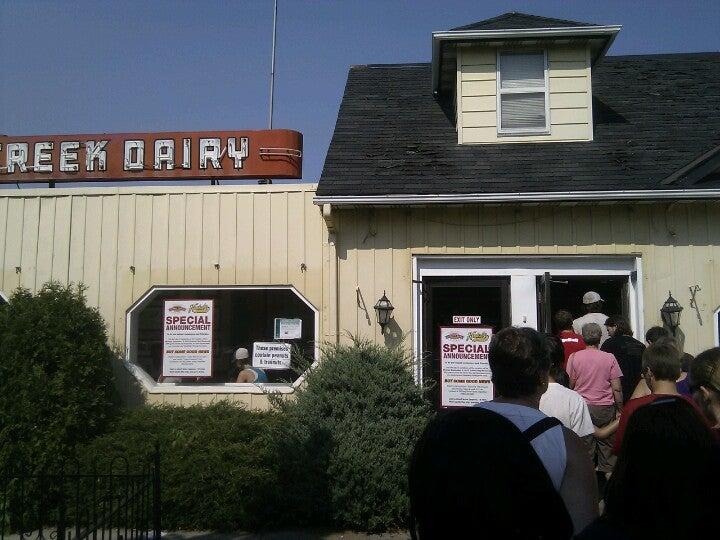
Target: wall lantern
column 670, row 312
column 384, row 310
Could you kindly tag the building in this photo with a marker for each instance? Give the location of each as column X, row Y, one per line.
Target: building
column 519, row 169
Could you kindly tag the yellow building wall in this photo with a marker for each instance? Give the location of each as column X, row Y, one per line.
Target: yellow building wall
column 121, row 241
column 570, row 95
column 679, row 244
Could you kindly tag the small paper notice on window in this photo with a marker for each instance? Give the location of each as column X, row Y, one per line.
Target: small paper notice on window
column 271, row 355
column 288, row 328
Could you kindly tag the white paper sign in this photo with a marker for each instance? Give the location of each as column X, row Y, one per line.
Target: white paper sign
column 465, row 376
column 271, row 355
column 288, row 328
column 187, row 338
column 466, row 319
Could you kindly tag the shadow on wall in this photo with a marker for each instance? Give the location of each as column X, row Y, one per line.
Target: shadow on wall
column 393, row 334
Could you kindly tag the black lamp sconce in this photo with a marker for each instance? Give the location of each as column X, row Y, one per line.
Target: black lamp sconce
column 383, row 310
column 670, row 313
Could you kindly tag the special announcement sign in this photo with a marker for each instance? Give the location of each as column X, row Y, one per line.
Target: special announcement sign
column 465, row 376
column 187, row 338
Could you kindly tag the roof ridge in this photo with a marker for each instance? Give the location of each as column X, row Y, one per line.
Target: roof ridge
column 510, row 14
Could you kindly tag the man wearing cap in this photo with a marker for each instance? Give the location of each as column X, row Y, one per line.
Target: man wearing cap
column 248, row 374
column 593, row 306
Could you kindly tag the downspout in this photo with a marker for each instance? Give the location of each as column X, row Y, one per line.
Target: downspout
column 333, row 270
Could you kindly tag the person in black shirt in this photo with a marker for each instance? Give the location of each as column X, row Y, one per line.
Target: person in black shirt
column 628, row 352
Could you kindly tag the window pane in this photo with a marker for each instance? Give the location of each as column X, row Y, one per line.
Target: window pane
column 522, row 70
column 522, row 111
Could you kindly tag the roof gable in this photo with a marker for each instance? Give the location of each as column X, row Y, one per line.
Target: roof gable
column 516, row 20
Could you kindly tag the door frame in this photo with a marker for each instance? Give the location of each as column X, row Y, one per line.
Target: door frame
column 523, row 271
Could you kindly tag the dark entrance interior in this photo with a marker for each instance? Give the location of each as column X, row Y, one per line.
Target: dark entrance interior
column 566, row 292
column 445, row 297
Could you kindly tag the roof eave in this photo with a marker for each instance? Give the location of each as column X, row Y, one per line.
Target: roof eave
column 519, row 197
column 608, row 31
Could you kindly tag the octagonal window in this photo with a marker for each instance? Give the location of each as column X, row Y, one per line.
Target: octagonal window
column 195, row 336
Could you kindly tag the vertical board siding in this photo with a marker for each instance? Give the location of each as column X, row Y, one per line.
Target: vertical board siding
column 569, row 96
column 679, row 245
column 119, row 243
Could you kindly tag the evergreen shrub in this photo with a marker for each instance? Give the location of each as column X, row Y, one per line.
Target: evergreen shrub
column 217, row 463
column 56, row 383
column 345, row 441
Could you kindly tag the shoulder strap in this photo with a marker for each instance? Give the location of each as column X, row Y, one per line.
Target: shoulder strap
column 540, row 427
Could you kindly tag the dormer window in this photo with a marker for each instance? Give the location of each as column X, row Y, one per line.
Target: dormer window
column 522, row 93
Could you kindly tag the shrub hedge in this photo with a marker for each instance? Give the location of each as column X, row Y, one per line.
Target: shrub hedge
column 217, row 462
column 345, row 441
column 56, row 384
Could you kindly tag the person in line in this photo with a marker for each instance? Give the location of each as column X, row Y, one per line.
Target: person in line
column 705, row 385
column 520, row 365
column 683, row 383
column 571, row 341
column 593, row 303
column 474, row 474
column 628, row 352
column 565, row 404
column 661, row 368
column 652, row 336
column 666, row 482
column 596, row 375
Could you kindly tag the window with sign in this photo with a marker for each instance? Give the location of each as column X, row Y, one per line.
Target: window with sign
column 227, row 335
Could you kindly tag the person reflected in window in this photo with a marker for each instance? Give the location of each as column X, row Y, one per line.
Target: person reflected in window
column 248, row 373
column 666, row 483
column 628, row 352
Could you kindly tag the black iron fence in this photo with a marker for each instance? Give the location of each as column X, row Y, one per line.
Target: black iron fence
column 117, row 502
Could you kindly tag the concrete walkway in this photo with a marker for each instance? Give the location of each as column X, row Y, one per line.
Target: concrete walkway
column 283, row 535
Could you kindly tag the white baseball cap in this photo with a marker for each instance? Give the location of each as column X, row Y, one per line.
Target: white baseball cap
column 591, row 297
column 241, row 354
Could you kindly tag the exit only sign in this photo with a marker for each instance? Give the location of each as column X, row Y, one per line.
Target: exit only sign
column 466, row 319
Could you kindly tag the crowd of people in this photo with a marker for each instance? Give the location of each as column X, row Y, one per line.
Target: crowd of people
column 591, row 435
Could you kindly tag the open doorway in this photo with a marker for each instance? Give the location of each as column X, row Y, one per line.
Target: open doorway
column 566, row 292
column 443, row 298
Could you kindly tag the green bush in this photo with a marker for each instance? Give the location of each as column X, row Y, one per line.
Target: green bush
column 217, row 462
column 56, row 384
column 344, row 443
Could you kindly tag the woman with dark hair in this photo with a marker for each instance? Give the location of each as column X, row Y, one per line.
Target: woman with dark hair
column 666, row 483
column 474, row 474
column 628, row 352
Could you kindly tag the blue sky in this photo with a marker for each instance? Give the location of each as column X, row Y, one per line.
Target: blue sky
column 114, row 66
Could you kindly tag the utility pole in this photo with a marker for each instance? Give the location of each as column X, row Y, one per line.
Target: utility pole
column 272, row 80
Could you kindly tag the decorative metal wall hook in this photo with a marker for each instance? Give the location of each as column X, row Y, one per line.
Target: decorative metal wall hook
column 693, row 302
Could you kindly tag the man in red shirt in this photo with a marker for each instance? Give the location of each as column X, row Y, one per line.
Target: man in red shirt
column 660, row 369
column 571, row 341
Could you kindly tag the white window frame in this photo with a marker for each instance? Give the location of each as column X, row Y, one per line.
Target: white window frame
column 716, row 324
column 4, row 297
column 153, row 387
column 526, row 90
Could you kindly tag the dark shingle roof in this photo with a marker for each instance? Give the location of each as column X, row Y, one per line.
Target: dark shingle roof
column 515, row 20
column 653, row 115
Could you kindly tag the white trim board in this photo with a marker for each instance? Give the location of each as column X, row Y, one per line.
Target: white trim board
column 519, row 197
column 523, row 271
